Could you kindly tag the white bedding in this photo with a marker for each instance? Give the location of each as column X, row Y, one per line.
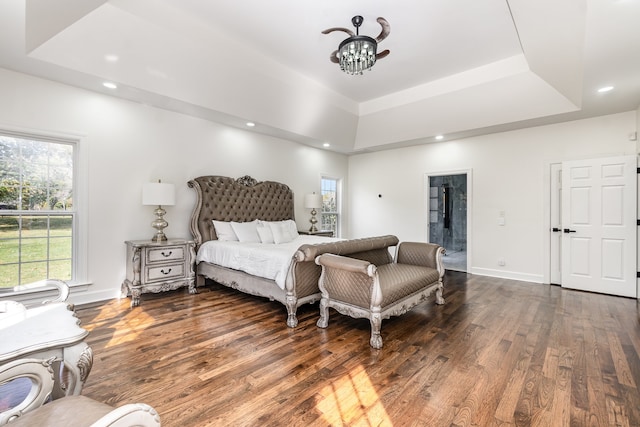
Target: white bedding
column 269, row 261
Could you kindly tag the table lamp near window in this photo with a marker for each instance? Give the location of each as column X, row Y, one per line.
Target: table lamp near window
column 159, row 194
column 313, row 202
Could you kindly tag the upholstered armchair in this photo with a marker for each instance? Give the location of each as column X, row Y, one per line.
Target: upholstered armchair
column 32, row 380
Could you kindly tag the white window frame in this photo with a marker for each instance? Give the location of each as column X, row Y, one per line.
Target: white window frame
column 338, row 212
column 80, row 221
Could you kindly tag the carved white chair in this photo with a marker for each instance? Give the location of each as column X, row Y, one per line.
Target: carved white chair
column 60, row 286
column 34, row 379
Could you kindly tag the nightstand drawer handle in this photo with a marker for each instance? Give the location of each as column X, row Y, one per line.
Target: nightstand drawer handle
column 165, row 272
column 166, row 255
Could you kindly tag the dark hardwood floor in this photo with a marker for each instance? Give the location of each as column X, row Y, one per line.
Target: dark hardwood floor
column 498, row 353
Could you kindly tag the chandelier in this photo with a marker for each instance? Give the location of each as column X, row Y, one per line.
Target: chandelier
column 358, row 53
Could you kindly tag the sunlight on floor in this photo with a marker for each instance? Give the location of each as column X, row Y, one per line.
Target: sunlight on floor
column 126, row 329
column 352, row 400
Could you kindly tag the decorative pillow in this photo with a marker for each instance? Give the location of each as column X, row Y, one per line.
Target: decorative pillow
column 224, row 231
column 264, row 231
column 283, row 231
column 247, row 232
column 293, row 228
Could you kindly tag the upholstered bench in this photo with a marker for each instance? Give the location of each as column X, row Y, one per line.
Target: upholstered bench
column 361, row 289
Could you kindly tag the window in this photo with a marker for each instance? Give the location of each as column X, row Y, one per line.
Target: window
column 37, row 213
column 330, row 215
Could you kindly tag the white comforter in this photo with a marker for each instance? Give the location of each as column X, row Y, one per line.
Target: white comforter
column 269, row 261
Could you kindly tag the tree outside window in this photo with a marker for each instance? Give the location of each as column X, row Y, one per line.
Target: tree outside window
column 37, row 214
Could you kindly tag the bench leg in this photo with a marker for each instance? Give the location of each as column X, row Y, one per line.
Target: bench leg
column 376, row 323
column 323, row 321
column 439, row 298
column 292, row 307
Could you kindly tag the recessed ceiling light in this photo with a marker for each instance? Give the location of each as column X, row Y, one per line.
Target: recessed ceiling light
column 605, row 89
column 250, row 124
column 326, row 144
column 111, row 58
column 110, row 85
column 439, row 137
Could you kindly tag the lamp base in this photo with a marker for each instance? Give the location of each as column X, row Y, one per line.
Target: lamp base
column 159, row 237
column 313, row 221
column 159, row 224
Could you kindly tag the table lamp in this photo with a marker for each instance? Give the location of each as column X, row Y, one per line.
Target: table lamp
column 313, row 202
column 159, row 194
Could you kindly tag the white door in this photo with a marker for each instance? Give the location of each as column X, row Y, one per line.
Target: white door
column 599, row 225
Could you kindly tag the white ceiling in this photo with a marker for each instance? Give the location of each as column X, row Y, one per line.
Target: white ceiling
column 457, row 67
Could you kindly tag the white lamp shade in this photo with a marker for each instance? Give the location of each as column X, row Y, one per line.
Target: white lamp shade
column 313, row 201
column 158, row 193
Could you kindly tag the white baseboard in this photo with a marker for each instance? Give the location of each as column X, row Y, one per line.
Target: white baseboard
column 88, row 297
column 513, row 275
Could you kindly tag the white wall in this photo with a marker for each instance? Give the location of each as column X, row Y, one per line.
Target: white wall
column 128, row 144
column 510, row 174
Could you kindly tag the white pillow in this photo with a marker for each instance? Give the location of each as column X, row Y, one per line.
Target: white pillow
column 247, row 232
column 264, row 231
column 224, row 231
column 293, row 228
column 282, row 231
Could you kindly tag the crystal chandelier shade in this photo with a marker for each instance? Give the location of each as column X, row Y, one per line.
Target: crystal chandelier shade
column 357, row 54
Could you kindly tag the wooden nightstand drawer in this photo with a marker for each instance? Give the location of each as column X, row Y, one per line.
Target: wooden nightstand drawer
column 169, row 253
column 164, row 272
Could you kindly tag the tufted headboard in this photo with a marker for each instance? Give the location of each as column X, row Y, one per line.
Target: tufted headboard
column 243, row 199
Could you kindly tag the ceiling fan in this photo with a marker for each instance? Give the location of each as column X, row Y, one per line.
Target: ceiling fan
column 358, row 53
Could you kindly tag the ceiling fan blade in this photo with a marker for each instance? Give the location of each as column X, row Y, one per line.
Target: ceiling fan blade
column 346, row 30
column 386, row 29
column 383, row 54
column 334, row 57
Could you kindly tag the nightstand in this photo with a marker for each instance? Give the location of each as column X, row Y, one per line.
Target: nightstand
column 325, row 233
column 158, row 267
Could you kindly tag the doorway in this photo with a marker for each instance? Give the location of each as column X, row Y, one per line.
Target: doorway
column 448, row 217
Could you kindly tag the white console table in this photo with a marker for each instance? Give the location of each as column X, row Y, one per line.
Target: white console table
column 50, row 331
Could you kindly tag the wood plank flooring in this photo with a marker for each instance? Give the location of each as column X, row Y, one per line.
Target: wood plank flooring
column 498, row 353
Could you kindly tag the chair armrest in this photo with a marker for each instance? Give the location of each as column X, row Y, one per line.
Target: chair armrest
column 351, row 265
column 61, row 286
column 420, row 253
column 132, row 414
column 63, row 290
column 349, row 280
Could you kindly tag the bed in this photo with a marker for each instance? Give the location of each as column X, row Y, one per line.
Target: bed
column 244, row 200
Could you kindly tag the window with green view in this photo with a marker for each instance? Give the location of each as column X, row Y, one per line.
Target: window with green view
column 37, row 215
column 330, row 213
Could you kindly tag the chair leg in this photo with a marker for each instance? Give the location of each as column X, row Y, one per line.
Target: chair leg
column 376, row 324
column 323, row 321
